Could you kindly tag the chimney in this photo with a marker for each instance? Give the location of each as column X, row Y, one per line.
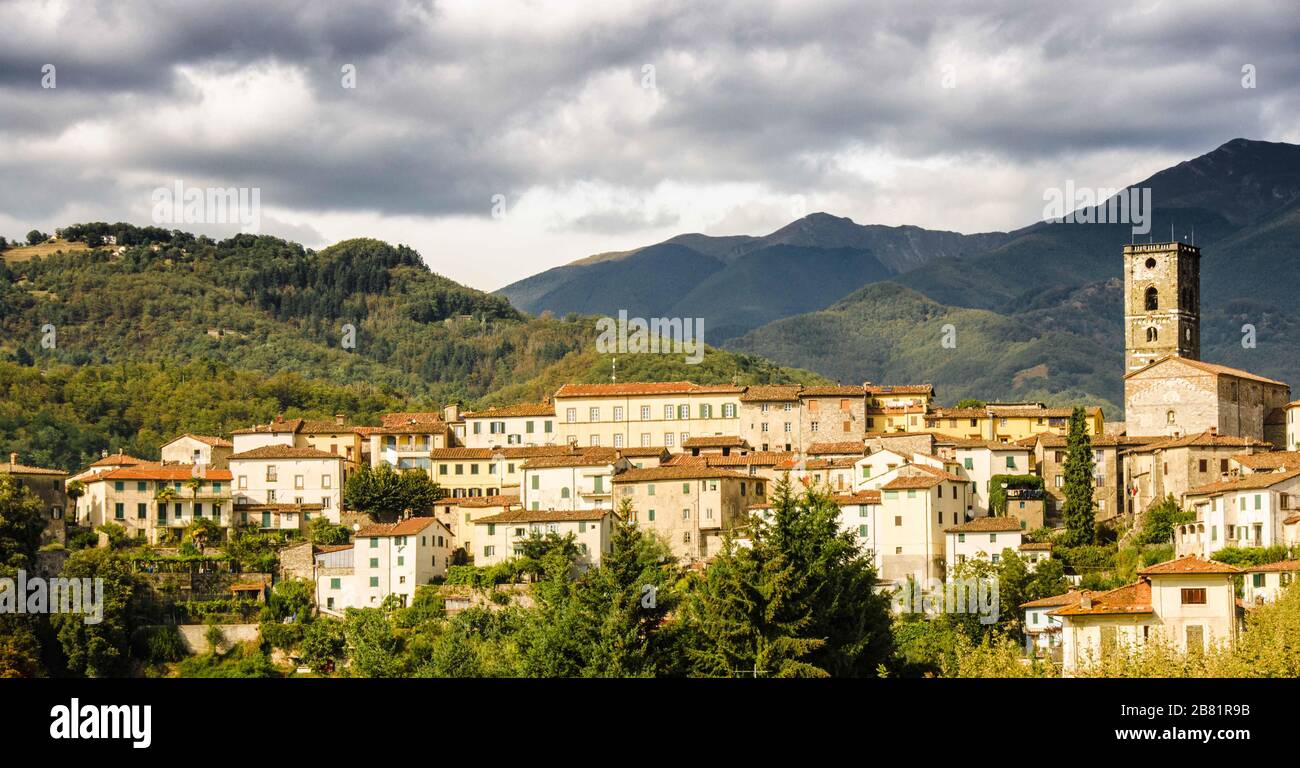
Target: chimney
column 1085, row 602
column 451, row 412
column 1214, row 430
column 13, row 458
column 340, row 419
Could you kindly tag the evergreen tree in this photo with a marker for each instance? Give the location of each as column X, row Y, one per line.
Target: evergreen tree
column 1080, row 518
column 798, row 601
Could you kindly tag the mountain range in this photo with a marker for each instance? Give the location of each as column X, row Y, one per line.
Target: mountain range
column 1037, row 312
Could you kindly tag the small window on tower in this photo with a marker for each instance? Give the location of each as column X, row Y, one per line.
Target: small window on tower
column 1152, row 334
column 1151, row 263
column 1153, row 299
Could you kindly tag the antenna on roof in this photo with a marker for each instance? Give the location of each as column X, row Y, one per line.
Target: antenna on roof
column 613, row 375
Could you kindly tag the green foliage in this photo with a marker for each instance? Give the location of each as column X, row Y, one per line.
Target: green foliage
column 1160, row 519
column 386, row 493
column 291, row 599
column 323, row 645
column 1080, row 515
column 22, row 518
column 1243, row 557
column 374, row 647
column 157, row 644
column 321, row 531
column 102, row 649
column 998, row 494
column 243, row 661
column 969, row 402
column 798, row 602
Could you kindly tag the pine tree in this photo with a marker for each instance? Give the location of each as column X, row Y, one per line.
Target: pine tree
column 1080, row 517
column 798, row 601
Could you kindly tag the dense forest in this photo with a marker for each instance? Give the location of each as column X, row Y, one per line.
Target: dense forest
column 149, row 333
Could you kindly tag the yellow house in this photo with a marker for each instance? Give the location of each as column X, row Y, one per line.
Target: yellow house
column 1009, row 422
column 897, row 408
column 1189, row 602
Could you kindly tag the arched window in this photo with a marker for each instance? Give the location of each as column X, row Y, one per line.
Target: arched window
column 1170, row 417
column 564, row 493
column 1152, row 334
column 1153, row 299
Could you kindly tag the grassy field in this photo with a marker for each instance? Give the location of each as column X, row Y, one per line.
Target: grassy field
column 27, row 252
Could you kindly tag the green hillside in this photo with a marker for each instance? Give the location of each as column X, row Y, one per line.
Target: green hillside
column 181, row 333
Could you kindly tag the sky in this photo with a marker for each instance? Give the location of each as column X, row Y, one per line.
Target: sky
column 503, row 138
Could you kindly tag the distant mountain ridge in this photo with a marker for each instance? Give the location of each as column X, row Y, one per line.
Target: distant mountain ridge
column 740, row 282
column 790, row 295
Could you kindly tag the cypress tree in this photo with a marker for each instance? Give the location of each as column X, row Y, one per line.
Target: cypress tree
column 1080, row 518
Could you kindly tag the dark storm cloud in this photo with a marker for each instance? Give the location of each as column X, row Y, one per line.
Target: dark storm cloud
column 449, row 110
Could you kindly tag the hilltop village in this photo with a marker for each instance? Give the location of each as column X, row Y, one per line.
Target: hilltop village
column 923, row 488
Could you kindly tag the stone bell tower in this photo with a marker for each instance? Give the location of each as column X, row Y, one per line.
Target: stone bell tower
column 1162, row 303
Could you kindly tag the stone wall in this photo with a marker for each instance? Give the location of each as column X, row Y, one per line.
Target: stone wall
column 195, row 636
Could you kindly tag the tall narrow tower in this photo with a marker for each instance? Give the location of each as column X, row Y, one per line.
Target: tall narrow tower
column 1162, row 303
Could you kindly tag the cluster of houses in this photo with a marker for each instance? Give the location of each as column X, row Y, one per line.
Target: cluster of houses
column 922, row 487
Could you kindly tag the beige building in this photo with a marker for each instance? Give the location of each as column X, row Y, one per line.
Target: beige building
column 917, row 502
column 1265, row 583
column 336, row 437
column 897, row 408
column 765, row 465
column 576, row 480
column 1173, row 467
column 645, row 414
column 525, row 424
column 283, row 487
column 690, row 507
column 501, row 536
column 198, row 449
column 979, row 460
column 155, row 502
column 460, row 514
column 1244, row 511
column 1050, row 452
column 983, row 538
column 770, row 418
column 49, row 485
column 392, row 559
column 1176, row 396
column 1291, row 426
column 1189, row 602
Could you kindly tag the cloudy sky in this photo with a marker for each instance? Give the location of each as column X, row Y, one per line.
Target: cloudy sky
column 503, row 138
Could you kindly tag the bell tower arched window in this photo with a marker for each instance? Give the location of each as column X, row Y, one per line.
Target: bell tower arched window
column 1152, row 334
column 1152, row 299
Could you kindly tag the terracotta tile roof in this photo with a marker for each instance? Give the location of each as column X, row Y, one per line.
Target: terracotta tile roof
column 837, row 390
column 1292, row 520
column 1036, row 546
column 408, row 527
column 853, row 447
column 400, row 418
column 1131, row 599
column 676, row 472
column 119, row 459
column 161, row 472
column 506, row 411
column 321, row 549
column 1057, row 600
column 645, row 388
column 587, row 457
column 792, row 463
column 992, row 445
column 1051, row 440
column 283, row 452
column 771, row 393
column 10, row 468
column 715, row 441
column 1269, row 460
column 463, row 453
column 1218, row 370
column 858, row 497
column 544, row 516
column 643, row 452
column 898, row 389
column 279, row 425
column 479, row 502
column 751, row 459
column 1252, row 482
column 956, row 413
column 326, row 427
column 212, row 440
column 1187, row 564
column 1282, row 566
column 1202, row 440
column 914, row 476
column 988, row 525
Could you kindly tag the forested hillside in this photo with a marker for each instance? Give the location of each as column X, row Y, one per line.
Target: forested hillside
column 164, row 332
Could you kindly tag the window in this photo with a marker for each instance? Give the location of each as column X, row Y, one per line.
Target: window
column 1152, row 302
column 645, row 413
column 651, row 515
column 961, row 538
column 374, row 581
column 1152, row 334
column 374, row 542
column 1257, row 580
column 728, row 410
column 1193, row 596
column 814, row 426
column 1011, row 462
column 669, row 412
column 898, row 520
column 1170, row 417
column 968, row 462
column 683, row 412
column 374, row 562
column 593, row 414
column 645, row 439
column 706, row 411
column 298, row 481
column 327, row 481
column 571, row 415
column 618, row 441
column 668, row 439
column 862, row 531
column 618, row 413
column 270, row 473
column 1195, row 639
column 1204, row 465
